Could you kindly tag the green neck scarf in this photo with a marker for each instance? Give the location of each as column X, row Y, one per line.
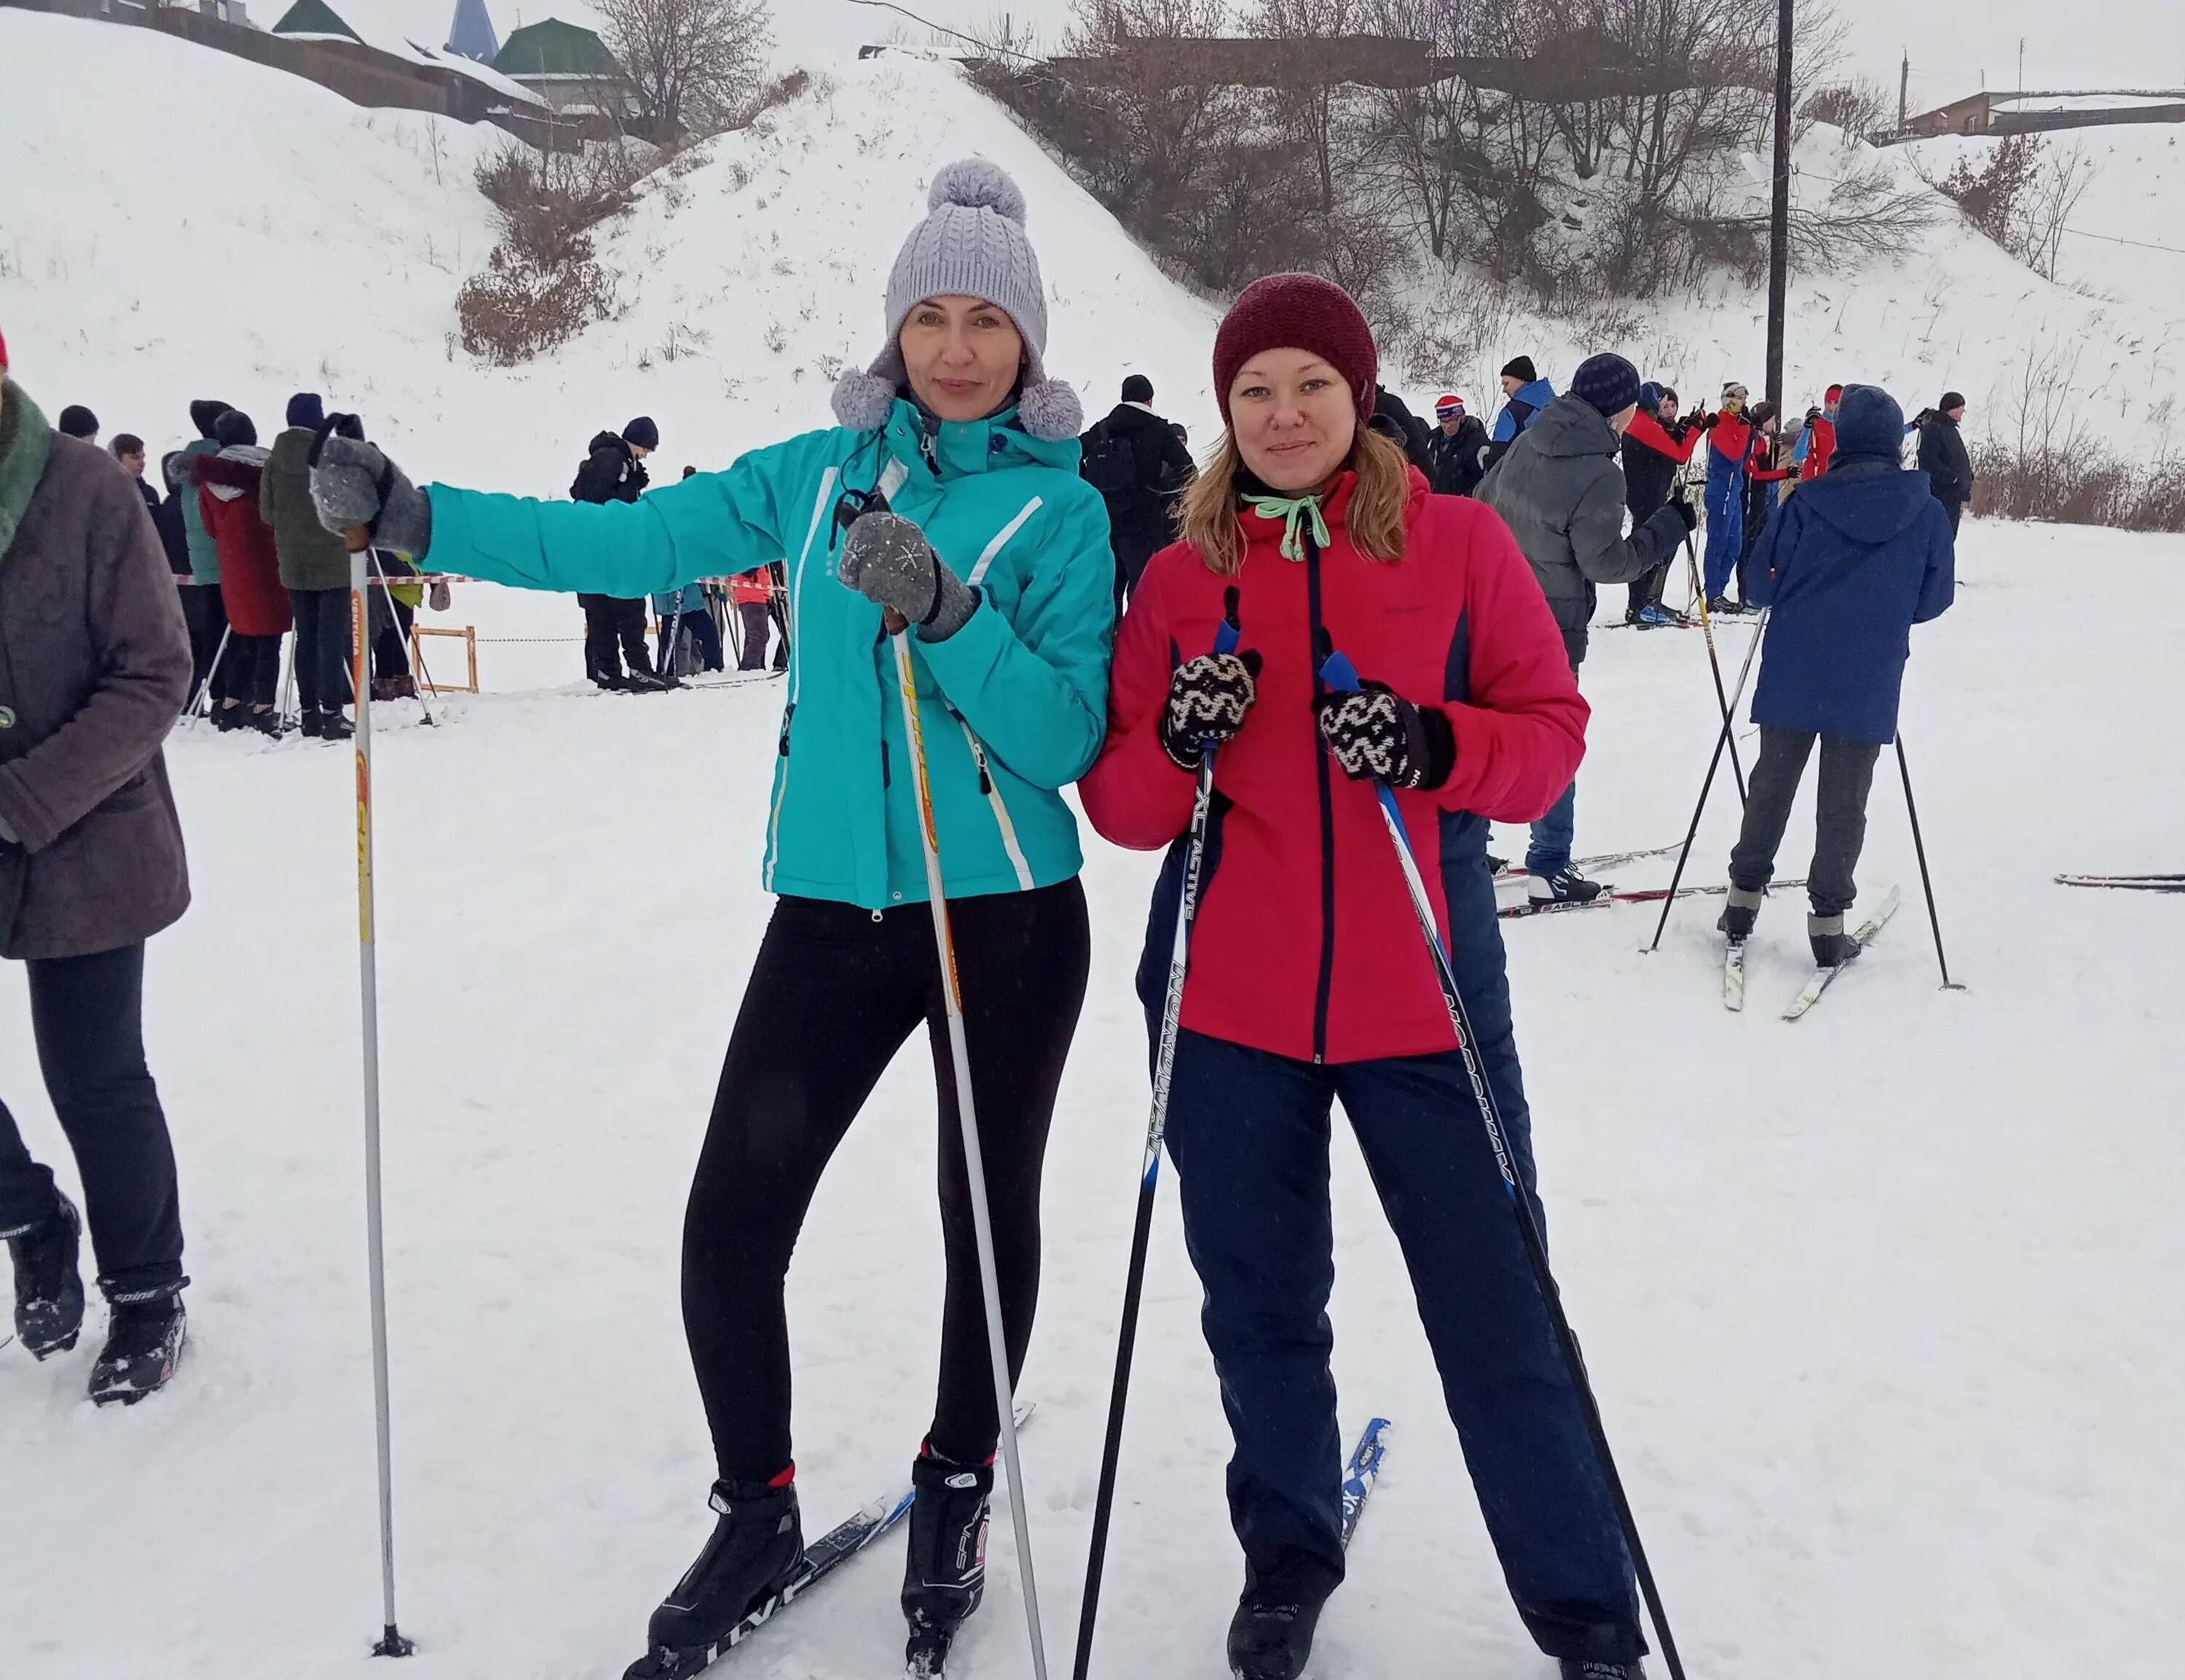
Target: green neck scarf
column 25, row 441
column 1292, row 511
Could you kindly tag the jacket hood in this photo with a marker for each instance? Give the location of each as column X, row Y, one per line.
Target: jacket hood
column 1571, row 426
column 1538, row 394
column 607, row 440
column 233, row 471
column 1868, row 503
column 26, row 439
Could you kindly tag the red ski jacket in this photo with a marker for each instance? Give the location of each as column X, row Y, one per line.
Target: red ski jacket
column 1650, row 432
column 1305, row 943
column 1820, row 445
column 1732, row 437
column 249, row 568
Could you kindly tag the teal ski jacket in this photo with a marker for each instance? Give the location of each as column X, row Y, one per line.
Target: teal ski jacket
column 1012, row 708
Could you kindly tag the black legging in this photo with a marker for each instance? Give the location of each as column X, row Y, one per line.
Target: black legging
column 834, row 993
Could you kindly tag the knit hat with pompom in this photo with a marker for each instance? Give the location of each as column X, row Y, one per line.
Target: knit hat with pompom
column 971, row 245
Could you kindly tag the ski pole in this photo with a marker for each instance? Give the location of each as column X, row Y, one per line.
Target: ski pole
column 394, row 625
column 1103, row 1506
column 974, row 1169
column 1926, row 881
column 391, row 1643
column 204, row 689
column 1337, row 672
column 1714, row 663
column 1715, row 763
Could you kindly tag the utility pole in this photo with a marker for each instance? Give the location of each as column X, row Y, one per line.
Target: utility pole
column 1904, row 93
column 1778, row 229
column 2021, row 63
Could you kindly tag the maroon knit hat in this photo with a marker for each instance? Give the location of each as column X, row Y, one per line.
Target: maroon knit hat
column 1298, row 312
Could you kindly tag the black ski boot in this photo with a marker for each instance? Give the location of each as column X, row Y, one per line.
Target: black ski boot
column 1271, row 1635
column 144, row 1341
column 1565, row 886
column 1832, row 946
column 1574, row 1669
column 944, row 1576
column 1740, row 915
column 755, row 1549
column 333, row 727
column 48, row 1286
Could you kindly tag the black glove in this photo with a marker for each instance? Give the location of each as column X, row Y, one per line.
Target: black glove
column 1685, row 510
column 1378, row 735
column 1707, row 422
column 1207, row 699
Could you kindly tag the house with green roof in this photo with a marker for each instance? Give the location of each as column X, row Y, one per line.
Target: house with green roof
column 569, row 68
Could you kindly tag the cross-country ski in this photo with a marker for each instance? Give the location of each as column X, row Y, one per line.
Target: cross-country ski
column 1825, row 975
column 509, row 1159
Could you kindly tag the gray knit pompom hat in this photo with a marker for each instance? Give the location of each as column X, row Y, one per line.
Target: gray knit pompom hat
column 972, row 245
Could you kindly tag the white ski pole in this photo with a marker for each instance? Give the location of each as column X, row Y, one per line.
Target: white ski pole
column 391, row 1642
column 974, row 1168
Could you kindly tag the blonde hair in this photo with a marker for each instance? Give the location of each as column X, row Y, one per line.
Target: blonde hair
column 1375, row 517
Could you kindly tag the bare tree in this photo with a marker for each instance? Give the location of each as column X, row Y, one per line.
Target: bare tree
column 2045, row 209
column 696, row 66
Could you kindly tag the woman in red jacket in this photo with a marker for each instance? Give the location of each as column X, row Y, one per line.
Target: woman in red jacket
column 250, row 590
column 1309, row 979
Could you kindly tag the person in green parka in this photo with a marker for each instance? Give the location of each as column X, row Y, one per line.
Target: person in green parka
column 948, row 500
column 314, row 571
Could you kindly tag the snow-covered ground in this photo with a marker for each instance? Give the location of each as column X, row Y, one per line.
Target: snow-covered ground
column 1882, row 1306
column 1879, row 1305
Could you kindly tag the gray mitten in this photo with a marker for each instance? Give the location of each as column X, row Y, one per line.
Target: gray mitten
column 887, row 559
column 353, row 484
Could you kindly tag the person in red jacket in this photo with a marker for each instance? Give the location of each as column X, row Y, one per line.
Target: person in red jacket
column 1309, row 978
column 258, row 612
column 1821, row 436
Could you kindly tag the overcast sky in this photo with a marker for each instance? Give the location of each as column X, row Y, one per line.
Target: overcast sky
column 2078, row 43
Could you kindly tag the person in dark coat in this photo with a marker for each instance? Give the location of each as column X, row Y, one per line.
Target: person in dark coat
column 1458, row 446
column 614, row 628
column 1656, row 447
column 1849, row 565
column 227, row 486
column 1393, row 420
column 1562, row 495
column 175, row 539
column 314, row 571
column 1943, row 457
column 128, row 449
column 1134, row 459
column 94, row 665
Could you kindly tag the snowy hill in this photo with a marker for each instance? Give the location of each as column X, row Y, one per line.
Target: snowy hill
column 1950, row 309
column 299, row 241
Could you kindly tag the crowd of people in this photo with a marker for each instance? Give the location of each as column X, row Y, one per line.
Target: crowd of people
column 959, row 523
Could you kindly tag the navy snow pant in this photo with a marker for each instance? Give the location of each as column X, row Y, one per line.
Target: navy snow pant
column 88, row 1021
column 1249, row 1131
column 1725, row 524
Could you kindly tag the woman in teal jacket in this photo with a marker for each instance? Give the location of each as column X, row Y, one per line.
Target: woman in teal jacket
column 948, row 500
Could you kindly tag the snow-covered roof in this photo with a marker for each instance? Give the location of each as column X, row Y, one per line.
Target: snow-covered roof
column 362, row 22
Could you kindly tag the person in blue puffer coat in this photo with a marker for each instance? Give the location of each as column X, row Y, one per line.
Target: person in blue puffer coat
column 1849, row 565
column 1525, row 394
column 947, row 501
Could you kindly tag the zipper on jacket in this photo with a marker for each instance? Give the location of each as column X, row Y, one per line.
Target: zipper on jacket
column 1316, row 634
column 781, row 798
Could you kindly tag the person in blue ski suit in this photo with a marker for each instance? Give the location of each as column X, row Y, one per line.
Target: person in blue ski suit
column 946, row 508
column 1725, row 500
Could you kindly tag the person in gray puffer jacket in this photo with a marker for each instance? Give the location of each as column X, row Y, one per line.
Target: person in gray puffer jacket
column 1560, row 489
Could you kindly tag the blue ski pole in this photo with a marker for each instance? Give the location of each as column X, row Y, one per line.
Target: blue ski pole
column 1340, row 675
